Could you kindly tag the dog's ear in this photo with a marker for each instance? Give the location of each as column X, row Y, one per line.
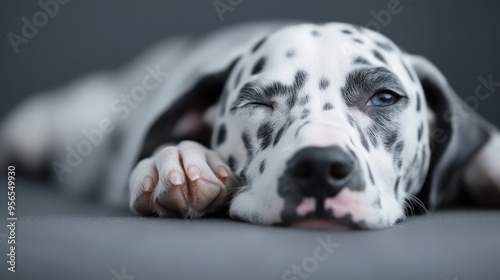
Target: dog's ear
column 205, row 74
column 184, row 118
column 456, row 132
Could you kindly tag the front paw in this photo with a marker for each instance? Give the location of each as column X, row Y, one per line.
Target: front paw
column 187, row 180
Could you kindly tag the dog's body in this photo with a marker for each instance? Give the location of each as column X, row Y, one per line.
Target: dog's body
column 309, row 125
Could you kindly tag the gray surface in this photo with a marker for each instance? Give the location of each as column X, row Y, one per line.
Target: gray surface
column 60, row 238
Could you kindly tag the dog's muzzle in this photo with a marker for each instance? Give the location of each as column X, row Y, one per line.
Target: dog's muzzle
column 319, row 173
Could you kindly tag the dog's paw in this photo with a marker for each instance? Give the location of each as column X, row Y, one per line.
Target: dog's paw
column 187, row 180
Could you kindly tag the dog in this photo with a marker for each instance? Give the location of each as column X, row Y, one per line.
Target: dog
column 293, row 124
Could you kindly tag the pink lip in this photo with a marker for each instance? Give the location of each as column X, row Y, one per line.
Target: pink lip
column 319, row 223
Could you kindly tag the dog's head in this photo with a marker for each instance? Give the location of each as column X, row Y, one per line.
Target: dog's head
column 331, row 125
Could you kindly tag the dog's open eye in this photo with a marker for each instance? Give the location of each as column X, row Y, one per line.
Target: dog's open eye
column 384, row 98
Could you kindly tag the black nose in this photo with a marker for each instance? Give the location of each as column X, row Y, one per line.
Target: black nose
column 322, row 172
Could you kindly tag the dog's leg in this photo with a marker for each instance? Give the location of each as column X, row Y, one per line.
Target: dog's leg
column 482, row 175
column 186, row 180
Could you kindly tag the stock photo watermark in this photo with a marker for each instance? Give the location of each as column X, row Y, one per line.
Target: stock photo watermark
column 309, row 265
column 121, row 106
column 122, row 275
column 31, row 26
column 223, row 6
column 11, row 218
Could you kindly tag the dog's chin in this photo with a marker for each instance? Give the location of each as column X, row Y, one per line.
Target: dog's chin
column 320, row 224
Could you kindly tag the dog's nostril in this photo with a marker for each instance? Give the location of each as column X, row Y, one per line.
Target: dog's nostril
column 340, row 170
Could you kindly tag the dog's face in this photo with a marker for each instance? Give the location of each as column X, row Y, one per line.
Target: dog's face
column 323, row 126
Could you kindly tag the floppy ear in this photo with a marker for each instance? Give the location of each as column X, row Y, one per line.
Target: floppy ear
column 458, row 135
column 198, row 84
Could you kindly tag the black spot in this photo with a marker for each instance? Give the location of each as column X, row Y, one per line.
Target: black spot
column 414, row 161
column 221, row 136
column 359, row 28
column 315, row 33
column 259, row 44
column 384, row 46
column 354, row 156
column 379, row 56
column 372, row 136
column 304, row 100
column 370, row 173
column 262, row 166
column 424, row 156
column 281, row 131
column 408, row 71
column 400, row 163
column 390, row 140
column 265, row 134
column 223, row 100
column 420, row 130
column 305, row 114
column 418, row 103
column 243, row 179
column 361, row 60
column 324, row 83
column 327, row 106
column 345, row 31
column 358, row 41
column 232, row 163
column 238, row 78
column 290, row 53
column 247, row 142
column 396, row 186
column 409, row 184
column 398, row 149
column 259, row 66
column 300, row 127
column 364, row 142
column 351, row 121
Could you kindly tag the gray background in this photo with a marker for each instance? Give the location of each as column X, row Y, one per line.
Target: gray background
column 66, row 239
column 461, row 37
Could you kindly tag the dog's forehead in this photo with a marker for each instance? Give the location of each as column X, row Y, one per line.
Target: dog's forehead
column 330, row 48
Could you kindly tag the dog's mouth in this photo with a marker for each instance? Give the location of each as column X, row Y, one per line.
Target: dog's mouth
column 320, row 224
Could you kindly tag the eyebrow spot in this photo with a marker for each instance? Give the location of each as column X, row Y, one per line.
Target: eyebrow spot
column 304, row 100
column 262, row 166
column 290, row 53
column 361, row 60
column 259, row 66
column 358, row 41
column 324, row 83
column 238, row 78
column 379, row 56
column 265, row 134
column 327, row 106
column 221, row 135
column 315, row 33
column 259, row 44
column 305, row 114
column 384, row 46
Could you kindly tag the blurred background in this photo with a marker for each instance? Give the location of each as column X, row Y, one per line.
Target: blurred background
column 460, row 37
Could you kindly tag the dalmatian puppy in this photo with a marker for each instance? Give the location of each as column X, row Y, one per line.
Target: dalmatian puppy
column 302, row 125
